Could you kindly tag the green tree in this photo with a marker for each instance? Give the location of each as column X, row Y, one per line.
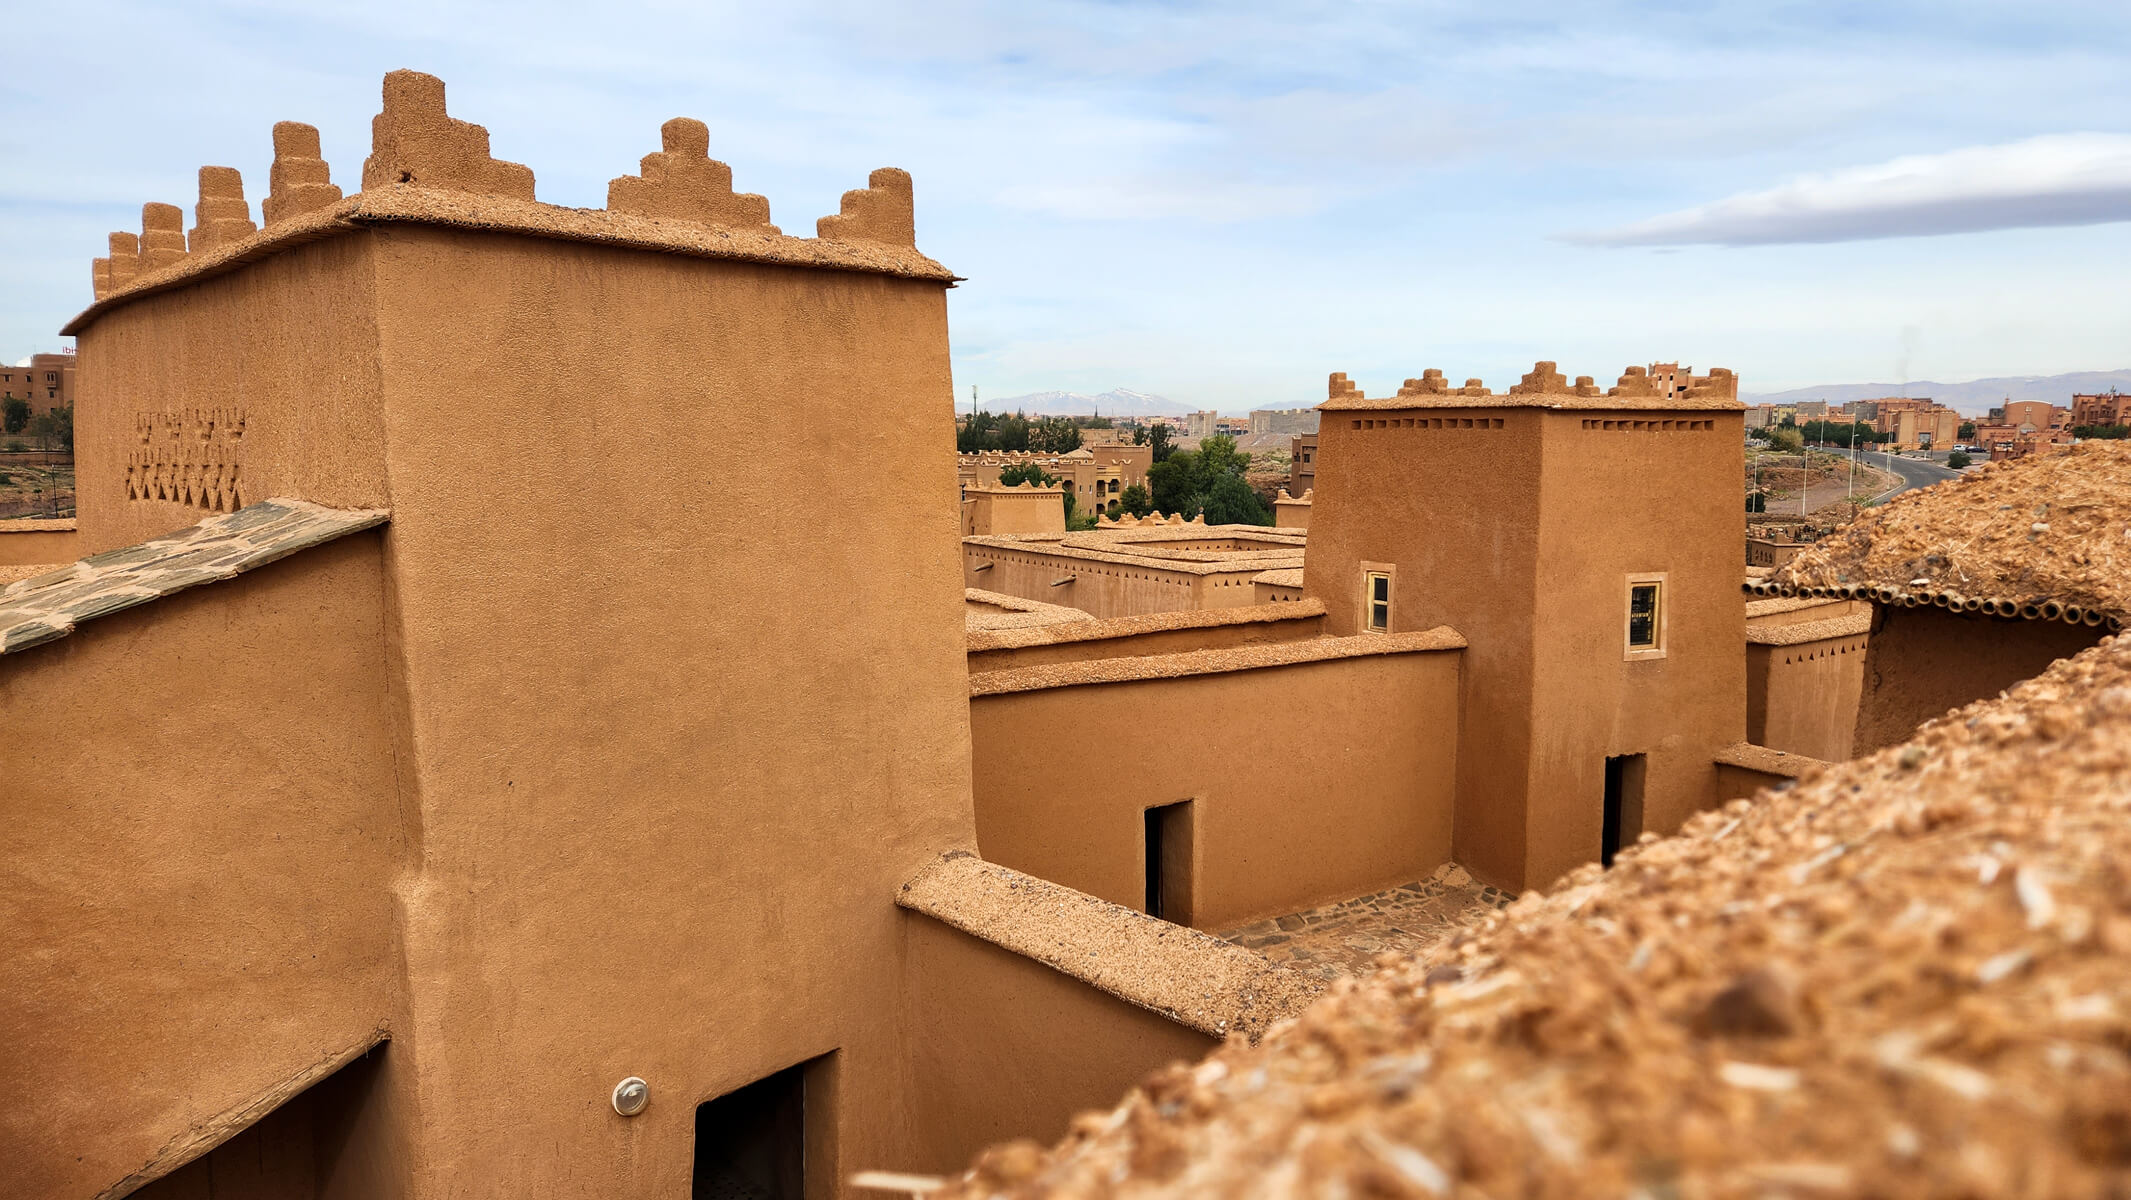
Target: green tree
column 1786, row 440
column 1136, row 500
column 1208, row 481
column 1139, row 435
column 1158, row 437
column 1756, row 502
column 993, row 431
column 18, row 414
column 1966, row 431
column 1958, row 459
column 1021, row 473
column 55, row 426
column 1054, row 435
column 2101, row 431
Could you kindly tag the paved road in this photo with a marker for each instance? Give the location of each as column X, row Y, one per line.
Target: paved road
column 1915, row 472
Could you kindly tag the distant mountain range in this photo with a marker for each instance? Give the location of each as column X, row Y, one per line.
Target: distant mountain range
column 1972, row 397
column 1117, row 402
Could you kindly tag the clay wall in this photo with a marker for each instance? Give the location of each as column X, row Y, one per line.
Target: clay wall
column 635, row 679
column 1133, row 637
column 1603, row 521
column 1346, row 787
column 1103, row 589
column 1006, row 511
column 24, row 542
column 1463, row 538
column 1803, row 698
column 233, row 389
column 203, row 842
column 1923, row 662
column 1004, row 1047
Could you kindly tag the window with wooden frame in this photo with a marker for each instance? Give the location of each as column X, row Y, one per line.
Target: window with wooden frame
column 1645, row 617
column 1376, row 601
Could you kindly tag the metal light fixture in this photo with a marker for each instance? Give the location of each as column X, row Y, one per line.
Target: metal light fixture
column 631, row 1095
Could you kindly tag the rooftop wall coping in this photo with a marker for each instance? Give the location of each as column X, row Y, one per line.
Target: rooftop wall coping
column 1284, row 577
column 40, row 525
column 1095, row 630
column 1184, row 562
column 2030, row 606
column 1785, row 604
column 1019, row 613
column 1210, row 662
column 482, row 212
column 1192, row 978
column 47, row 607
column 1748, row 756
column 1825, row 629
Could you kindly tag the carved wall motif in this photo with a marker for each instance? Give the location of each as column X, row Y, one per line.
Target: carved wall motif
column 192, row 456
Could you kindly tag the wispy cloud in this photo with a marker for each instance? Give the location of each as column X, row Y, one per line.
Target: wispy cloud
column 2059, row 179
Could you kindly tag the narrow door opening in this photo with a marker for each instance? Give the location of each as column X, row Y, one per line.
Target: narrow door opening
column 751, row 1143
column 1624, row 805
column 1169, row 862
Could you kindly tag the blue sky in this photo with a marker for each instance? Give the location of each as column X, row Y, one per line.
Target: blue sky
column 1224, row 202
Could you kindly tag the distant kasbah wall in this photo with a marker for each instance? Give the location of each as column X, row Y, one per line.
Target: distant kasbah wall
column 1018, row 509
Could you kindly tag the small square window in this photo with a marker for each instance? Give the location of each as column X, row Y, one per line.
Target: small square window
column 1646, row 616
column 1376, row 599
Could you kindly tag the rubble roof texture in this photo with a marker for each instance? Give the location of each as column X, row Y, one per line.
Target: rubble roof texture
column 2045, row 529
column 1905, row 975
column 40, row 609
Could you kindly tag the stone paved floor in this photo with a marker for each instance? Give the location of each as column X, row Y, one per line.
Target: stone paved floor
column 1345, row 938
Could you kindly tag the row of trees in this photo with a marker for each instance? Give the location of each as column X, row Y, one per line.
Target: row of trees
column 53, row 427
column 2105, row 432
column 1015, row 431
column 1206, row 482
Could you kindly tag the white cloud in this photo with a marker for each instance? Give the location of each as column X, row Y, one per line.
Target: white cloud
column 2059, row 179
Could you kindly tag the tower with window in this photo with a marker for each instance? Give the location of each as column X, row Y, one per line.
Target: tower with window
column 1585, row 540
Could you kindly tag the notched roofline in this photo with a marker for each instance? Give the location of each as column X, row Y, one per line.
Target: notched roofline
column 480, row 212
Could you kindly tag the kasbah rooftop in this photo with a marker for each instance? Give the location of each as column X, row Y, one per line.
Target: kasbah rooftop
column 401, row 805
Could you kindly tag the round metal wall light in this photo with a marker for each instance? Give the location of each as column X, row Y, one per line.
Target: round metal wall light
column 631, row 1095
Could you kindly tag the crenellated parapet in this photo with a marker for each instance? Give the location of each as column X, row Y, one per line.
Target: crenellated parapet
column 414, row 142
column 681, row 202
column 882, row 211
column 162, row 237
column 683, row 182
column 1544, row 386
column 222, row 214
column 301, row 181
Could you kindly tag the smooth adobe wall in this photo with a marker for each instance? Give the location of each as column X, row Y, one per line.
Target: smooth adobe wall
column 674, row 748
column 1455, row 511
column 1101, row 589
column 1602, row 520
column 289, row 344
column 1154, row 641
column 202, row 847
column 1924, row 662
column 1004, row 1047
column 29, row 542
column 1309, row 782
column 1803, row 699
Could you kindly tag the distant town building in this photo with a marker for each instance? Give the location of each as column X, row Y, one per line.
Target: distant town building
column 1283, row 420
column 47, row 383
column 1202, row 424
column 1916, row 422
column 2103, row 408
column 1095, row 474
column 1302, row 464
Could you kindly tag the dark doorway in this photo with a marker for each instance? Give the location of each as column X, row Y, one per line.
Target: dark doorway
column 1624, row 806
column 1169, row 862
column 751, row 1143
